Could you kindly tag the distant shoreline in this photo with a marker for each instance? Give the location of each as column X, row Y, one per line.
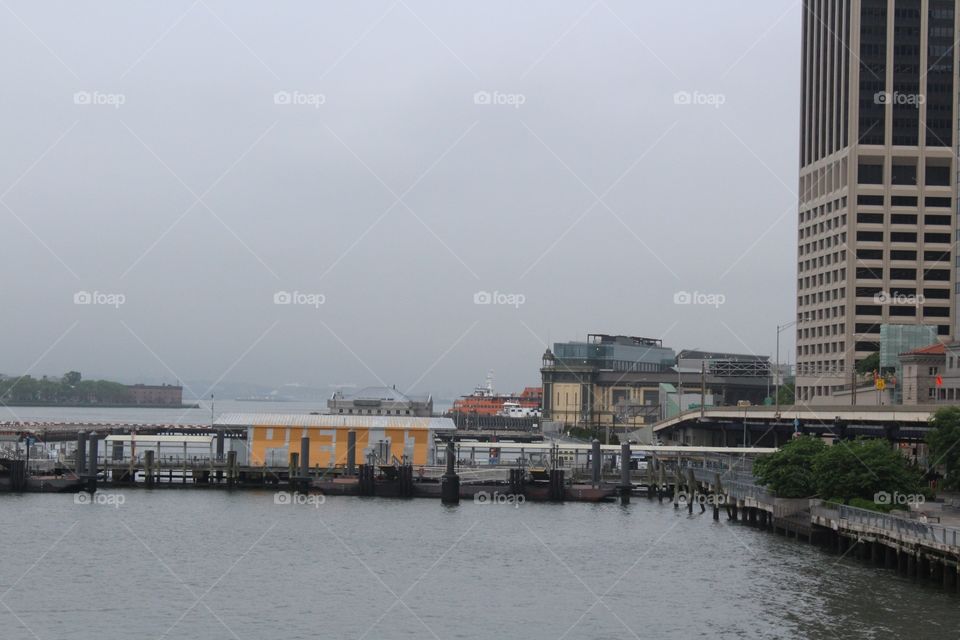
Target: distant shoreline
column 70, row 405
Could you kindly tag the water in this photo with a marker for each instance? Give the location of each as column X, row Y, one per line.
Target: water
column 211, row 564
column 200, row 415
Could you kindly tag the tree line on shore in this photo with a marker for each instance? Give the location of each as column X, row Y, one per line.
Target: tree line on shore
column 69, row 389
column 864, row 472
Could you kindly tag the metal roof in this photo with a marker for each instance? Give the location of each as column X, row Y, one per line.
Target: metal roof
column 140, row 439
column 615, row 448
column 332, row 421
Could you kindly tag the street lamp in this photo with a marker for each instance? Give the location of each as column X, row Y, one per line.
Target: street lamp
column 780, row 329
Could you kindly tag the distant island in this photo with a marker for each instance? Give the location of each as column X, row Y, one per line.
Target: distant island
column 71, row 390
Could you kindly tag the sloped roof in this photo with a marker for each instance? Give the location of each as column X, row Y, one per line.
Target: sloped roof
column 937, row 349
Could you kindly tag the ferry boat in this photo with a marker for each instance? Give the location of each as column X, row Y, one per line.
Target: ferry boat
column 485, row 402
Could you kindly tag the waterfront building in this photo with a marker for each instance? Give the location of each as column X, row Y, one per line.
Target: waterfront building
column 877, row 184
column 166, row 395
column 380, row 401
column 272, row 437
column 615, row 381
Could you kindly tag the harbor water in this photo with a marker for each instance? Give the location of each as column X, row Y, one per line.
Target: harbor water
column 211, row 564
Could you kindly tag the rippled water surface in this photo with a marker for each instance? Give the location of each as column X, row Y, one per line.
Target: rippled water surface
column 211, row 564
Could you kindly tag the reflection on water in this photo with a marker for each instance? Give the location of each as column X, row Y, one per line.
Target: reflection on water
column 213, row 564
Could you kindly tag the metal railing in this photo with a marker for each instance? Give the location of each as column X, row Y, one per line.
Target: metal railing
column 905, row 528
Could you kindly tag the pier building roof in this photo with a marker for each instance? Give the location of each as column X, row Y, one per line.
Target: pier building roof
column 332, row 421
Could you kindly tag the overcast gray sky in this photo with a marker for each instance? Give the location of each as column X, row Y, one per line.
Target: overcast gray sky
column 391, row 160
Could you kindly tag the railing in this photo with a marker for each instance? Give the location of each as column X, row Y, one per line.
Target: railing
column 905, row 528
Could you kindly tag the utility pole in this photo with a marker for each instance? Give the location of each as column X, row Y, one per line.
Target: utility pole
column 853, row 386
column 776, row 373
column 703, row 387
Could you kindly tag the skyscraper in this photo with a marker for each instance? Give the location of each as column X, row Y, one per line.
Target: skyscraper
column 877, row 189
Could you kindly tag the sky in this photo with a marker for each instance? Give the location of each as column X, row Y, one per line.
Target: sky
column 404, row 192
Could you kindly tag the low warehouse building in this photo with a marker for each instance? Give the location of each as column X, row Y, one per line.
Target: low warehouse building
column 272, row 437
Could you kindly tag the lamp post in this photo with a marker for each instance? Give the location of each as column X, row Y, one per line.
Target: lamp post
column 780, row 329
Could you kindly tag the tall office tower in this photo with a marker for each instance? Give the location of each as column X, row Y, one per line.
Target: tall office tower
column 878, row 182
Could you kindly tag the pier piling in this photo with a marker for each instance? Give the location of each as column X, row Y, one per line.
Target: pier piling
column 148, row 471
column 351, row 452
column 293, row 469
column 625, row 485
column 661, row 480
column 595, row 462
column 81, row 454
column 450, row 482
column 305, row 463
column 231, row 468
column 94, row 445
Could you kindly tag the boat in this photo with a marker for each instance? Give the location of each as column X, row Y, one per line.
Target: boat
column 484, row 401
column 516, row 410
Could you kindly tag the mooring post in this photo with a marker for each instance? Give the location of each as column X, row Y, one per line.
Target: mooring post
column 231, row 468
column 94, row 445
column 304, row 463
column 450, row 482
column 625, row 485
column 351, row 452
column 81, row 454
column 661, row 480
column 595, row 462
column 292, row 469
column 716, row 496
column 148, row 467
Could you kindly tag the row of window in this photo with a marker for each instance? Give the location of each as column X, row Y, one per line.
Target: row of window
column 821, row 227
column 902, row 310
column 902, row 273
column 911, row 219
column 903, row 172
column 937, row 256
column 903, row 236
column 821, row 331
column 930, row 202
column 822, row 261
column 821, row 279
column 824, row 243
column 823, row 209
column 820, row 347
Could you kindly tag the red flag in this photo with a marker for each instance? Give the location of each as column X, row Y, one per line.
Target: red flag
column 939, row 381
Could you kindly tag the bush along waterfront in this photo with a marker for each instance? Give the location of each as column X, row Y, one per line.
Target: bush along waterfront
column 865, row 473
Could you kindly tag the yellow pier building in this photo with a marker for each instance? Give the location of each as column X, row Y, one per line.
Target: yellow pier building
column 272, row 437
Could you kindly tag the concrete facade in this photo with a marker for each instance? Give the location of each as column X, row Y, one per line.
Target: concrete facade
column 877, row 184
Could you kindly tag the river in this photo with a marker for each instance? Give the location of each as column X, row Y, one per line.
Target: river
column 176, row 563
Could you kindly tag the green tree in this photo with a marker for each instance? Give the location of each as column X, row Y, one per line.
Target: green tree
column 862, row 468
column 787, row 394
column 789, row 471
column 944, row 443
column 869, row 364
